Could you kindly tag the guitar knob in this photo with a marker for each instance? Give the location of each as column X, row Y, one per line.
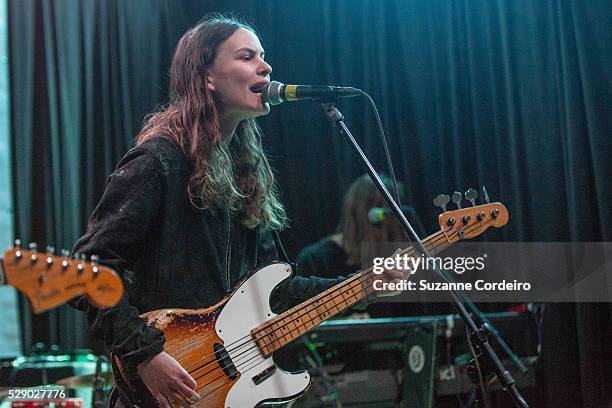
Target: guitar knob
column 441, row 201
column 457, row 197
column 471, row 195
column 17, row 243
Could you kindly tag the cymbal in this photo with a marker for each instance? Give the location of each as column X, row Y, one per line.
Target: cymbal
column 84, row 381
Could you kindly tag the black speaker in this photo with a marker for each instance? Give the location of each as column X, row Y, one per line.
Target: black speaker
column 419, row 351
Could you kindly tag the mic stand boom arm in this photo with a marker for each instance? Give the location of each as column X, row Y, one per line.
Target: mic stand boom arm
column 478, row 335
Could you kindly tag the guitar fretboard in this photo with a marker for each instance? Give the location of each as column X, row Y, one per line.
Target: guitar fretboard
column 288, row 326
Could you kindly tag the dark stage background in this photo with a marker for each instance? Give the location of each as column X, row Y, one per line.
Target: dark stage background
column 514, row 95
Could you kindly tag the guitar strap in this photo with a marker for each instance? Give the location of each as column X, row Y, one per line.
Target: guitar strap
column 280, row 249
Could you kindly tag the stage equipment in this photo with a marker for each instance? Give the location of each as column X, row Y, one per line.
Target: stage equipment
column 376, row 215
column 276, row 93
column 75, row 372
column 405, row 361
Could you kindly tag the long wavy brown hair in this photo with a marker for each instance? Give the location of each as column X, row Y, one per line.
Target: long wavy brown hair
column 354, row 226
column 233, row 173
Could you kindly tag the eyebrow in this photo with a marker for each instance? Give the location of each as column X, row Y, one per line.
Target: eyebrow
column 250, row 50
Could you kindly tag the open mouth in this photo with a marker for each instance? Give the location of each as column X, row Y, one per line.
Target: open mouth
column 257, row 88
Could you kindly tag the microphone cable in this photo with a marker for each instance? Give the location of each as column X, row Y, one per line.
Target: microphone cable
column 383, row 139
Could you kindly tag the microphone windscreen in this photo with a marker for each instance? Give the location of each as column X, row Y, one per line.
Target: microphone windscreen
column 376, row 215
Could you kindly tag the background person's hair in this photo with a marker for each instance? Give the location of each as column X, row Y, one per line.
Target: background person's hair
column 234, row 173
column 354, row 225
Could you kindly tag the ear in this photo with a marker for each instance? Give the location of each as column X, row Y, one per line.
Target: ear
column 210, row 82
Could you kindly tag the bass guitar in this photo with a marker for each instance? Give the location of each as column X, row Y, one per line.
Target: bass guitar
column 227, row 348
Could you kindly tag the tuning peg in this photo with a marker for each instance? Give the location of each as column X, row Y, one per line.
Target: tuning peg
column 485, row 195
column 441, row 201
column 65, row 261
column 457, row 197
column 471, row 195
column 33, row 246
column 49, row 259
column 95, row 260
column 80, row 266
column 18, row 253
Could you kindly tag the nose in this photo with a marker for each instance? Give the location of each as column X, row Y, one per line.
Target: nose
column 265, row 69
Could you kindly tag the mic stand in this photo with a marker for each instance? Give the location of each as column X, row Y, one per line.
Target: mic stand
column 98, row 384
column 478, row 334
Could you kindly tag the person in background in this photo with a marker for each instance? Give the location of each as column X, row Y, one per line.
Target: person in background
column 343, row 252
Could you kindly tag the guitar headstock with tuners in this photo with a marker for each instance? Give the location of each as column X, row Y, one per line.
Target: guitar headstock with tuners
column 49, row 280
column 469, row 222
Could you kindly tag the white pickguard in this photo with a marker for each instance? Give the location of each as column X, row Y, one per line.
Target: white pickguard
column 248, row 307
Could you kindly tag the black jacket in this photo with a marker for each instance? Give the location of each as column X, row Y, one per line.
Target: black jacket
column 169, row 253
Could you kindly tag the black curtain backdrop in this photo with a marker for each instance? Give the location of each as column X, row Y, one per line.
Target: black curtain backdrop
column 514, row 95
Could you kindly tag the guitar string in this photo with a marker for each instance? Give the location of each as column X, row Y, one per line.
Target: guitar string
column 242, row 369
column 361, row 276
column 324, row 304
column 433, row 244
column 355, row 279
column 253, row 356
column 360, row 279
column 431, row 238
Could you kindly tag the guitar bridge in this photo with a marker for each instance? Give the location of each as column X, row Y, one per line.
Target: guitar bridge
column 264, row 375
column 225, row 362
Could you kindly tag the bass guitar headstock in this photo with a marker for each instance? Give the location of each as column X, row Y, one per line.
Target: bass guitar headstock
column 469, row 222
column 49, row 280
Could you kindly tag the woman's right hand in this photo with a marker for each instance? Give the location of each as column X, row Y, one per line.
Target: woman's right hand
column 166, row 379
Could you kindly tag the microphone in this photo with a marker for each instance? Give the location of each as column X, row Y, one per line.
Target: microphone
column 276, row 93
column 376, row 215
